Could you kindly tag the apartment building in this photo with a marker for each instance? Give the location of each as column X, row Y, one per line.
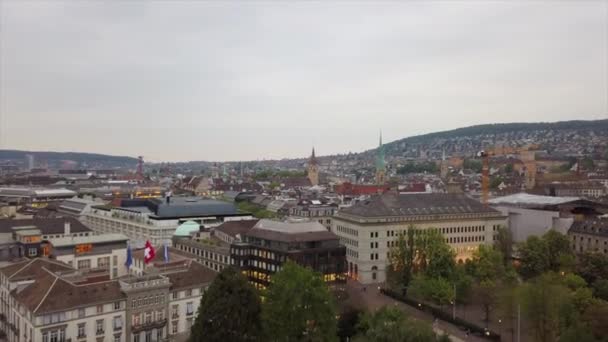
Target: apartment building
column 48, row 301
column 590, row 235
column 213, row 250
column 262, row 250
column 369, row 229
column 157, row 219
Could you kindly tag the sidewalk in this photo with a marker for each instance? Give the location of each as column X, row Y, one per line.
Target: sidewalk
column 372, row 299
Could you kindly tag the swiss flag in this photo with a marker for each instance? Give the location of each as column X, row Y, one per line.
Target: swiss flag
column 149, row 252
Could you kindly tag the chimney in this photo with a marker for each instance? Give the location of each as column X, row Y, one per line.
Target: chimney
column 67, row 228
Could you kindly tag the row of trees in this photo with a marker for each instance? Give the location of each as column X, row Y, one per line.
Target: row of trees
column 559, row 295
column 297, row 306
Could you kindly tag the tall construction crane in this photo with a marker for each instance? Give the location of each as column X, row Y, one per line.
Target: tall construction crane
column 526, row 155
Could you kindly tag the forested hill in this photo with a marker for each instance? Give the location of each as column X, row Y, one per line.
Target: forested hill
column 79, row 157
column 498, row 129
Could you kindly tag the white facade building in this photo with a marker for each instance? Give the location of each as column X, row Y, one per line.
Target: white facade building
column 369, row 229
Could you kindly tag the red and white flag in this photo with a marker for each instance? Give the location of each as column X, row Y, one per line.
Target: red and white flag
column 149, row 252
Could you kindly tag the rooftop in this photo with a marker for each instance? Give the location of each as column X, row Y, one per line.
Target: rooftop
column 92, row 239
column 290, row 231
column 233, row 228
column 529, row 199
column 179, row 207
column 47, row 226
column 393, row 204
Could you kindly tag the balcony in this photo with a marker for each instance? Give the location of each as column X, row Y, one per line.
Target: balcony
column 147, row 326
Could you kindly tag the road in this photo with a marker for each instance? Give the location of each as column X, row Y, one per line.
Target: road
column 373, row 299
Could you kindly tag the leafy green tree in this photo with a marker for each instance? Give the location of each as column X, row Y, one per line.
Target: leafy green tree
column 504, row 243
column 592, row 266
column 577, row 333
column 543, row 302
column 551, row 252
column 596, row 318
column 347, row 323
column 434, row 289
column 402, row 261
column 509, row 169
column 434, row 257
column 392, row 325
column 298, row 306
column 230, row 310
column 600, row 289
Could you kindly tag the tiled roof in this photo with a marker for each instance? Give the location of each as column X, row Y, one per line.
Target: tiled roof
column 47, row 225
column 195, row 275
column 64, row 295
column 597, row 227
column 233, row 228
column 392, row 204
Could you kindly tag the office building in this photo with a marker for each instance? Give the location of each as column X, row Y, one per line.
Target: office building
column 369, row 229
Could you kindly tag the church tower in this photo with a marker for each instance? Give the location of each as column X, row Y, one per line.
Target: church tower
column 313, row 169
column 444, row 167
column 380, row 164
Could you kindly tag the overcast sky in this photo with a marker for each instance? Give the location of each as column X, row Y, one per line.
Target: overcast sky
column 196, row 80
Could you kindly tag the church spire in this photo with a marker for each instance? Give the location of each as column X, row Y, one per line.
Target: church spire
column 380, row 163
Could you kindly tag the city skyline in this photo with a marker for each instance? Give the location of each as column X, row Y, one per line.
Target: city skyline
column 213, row 81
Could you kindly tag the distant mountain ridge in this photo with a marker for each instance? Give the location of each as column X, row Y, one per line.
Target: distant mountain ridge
column 492, row 129
column 56, row 157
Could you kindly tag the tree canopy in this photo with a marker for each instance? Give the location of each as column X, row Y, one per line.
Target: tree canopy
column 298, row 306
column 230, row 310
column 550, row 252
column 392, row 325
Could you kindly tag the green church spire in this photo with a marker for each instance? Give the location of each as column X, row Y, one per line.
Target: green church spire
column 380, row 163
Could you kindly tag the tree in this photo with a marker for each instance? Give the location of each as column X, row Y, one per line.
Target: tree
column 434, row 289
column 504, row 243
column 392, row 325
column 600, row 288
column 596, row 318
column 551, row 252
column 592, row 266
column 543, row 300
column 488, row 269
column 402, row 256
column 434, row 257
column 347, row 323
column 298, row 306
column 230, row 310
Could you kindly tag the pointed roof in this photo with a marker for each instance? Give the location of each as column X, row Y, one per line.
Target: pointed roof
column 313, row 158
column 380, row 163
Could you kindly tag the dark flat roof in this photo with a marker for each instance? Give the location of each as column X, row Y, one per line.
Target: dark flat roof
column 394, row 204
column 46, row 225
column 180, row 207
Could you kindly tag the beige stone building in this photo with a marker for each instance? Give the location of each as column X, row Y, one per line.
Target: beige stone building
column 47, row 301
column 370, row 228
column 590, row 235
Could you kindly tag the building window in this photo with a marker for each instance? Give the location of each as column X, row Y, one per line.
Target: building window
column 32, row 251
column 116, row 305
column 174, row 295
column 159, row 334
column 115, row 260
column 103, row 262
column 189, row 308
column 148, row 317
column 136, row 319
column 174, row 311
column 188, row 292
column 117, row 338
column 174, row 327
column 81, row 313
column 84, row 264
column 99, row 308
column 99, row 326
column 117, row 323
column 82, row 327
